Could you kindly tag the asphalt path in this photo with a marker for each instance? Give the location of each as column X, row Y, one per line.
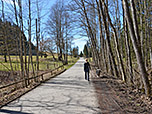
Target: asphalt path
column 68, row 93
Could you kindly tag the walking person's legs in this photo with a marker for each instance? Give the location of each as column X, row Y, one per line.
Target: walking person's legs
column 85, row 75
column 88, row 76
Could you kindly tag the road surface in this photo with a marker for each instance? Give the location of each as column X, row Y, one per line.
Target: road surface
column 68, row 93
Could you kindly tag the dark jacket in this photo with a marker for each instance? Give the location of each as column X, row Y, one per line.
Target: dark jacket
column 86, row 67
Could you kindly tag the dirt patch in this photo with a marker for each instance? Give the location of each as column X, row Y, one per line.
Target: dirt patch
column 114, row 95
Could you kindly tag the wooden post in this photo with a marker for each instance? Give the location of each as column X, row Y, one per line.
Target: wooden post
column 47, row 66
column 54, row 65
column 42, row 76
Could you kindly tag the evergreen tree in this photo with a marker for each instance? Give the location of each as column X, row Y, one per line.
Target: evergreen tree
column 85, row 50
column 81, row 54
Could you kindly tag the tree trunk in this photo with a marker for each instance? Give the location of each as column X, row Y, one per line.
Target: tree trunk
column 146, row 34
column 21, row 40
column 5, row 39
column 144, row 75
column 128, row 52
column 37, row 47
column 16, row 33
column 91, row 34
column 66, row 43
column 30, row 58
column 25, row 56
column 101, row 39
column 141, row 31
column 135, row 25
column 150, row 41
column 5, row 53
column 108, row 40
column 116, row 43
column 109, row 61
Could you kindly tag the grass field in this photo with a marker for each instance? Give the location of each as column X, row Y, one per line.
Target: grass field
column 44, row 63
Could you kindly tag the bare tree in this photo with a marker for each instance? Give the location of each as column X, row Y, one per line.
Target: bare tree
column 29, row 33
column 5, row 38
column 21, row 40
column 59, row 27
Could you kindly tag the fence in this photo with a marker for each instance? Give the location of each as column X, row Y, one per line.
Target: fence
column 36, row 80
column 35, row 77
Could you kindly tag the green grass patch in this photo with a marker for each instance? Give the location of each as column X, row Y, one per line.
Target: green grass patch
column 44, row 63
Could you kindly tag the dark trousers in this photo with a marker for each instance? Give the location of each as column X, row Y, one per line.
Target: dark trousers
column 87, row 76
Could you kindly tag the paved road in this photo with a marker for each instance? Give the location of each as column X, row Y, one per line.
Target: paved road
column 68, row 93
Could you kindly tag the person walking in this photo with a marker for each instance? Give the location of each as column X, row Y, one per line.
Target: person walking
column 86, row 69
